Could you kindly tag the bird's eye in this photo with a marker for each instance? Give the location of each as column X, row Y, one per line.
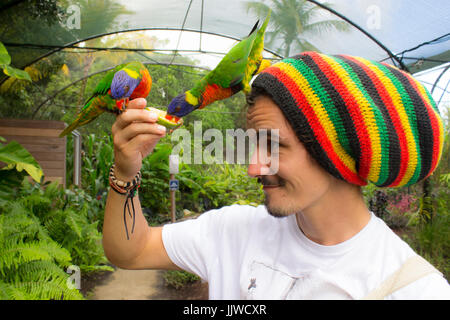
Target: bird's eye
column 125, row 89
column 178, row 109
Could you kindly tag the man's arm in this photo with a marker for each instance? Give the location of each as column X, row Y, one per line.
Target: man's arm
column 135, row 135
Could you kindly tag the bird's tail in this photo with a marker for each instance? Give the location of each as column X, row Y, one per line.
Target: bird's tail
column 265, row 23
column 89, row 112
column 254, row 28
column 69, row 129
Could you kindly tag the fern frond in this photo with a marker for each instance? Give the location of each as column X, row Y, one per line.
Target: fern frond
column 18, row 224
column 38, row 204
column 10, row 292
column 74, row 223
column 39, row 271
column 56, row 226
column 13, row 254
column 46, row 290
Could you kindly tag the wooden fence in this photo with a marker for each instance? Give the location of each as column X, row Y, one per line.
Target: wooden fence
column 40, row 138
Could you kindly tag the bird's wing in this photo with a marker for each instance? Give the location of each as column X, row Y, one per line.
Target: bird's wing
column 231, row 69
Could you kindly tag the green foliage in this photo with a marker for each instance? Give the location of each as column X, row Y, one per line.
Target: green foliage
column 5, row 60
column 17, row 157
column 202, row 187
column 43, row 230
column 432, row 241
column 178, row 279
column 97, row 160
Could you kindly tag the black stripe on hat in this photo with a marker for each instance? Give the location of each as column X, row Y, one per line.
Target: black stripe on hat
column 299, row 123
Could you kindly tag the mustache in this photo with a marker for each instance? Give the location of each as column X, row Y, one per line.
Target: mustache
column 271, row 181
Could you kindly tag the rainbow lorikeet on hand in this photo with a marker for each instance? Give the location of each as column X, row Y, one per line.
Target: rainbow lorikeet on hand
column 231, row 75
column 124, row 82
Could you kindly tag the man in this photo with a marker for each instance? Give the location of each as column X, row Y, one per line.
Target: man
column 342, row 121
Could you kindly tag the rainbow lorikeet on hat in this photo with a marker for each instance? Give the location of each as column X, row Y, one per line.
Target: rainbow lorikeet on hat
column 124, row 82
column 231, row 75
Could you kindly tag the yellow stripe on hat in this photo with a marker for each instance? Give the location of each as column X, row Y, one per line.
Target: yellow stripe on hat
column 398, row 105
column 369, row 118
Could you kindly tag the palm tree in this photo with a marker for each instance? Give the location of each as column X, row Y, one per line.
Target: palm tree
column 294, row 21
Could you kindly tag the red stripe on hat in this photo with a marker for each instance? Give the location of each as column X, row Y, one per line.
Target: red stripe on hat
column 314, row 123
column 353, row 110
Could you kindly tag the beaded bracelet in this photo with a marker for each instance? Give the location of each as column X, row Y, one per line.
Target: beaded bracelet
column 125, row 188
column 121, row 186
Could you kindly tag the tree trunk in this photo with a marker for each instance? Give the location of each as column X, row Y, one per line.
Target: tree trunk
column 427, row 211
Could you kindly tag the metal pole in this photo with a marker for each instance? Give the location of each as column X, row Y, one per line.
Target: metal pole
column 172, row 201
column 174, row 167
column 76, row 158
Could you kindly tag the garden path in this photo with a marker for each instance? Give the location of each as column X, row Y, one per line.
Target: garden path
column 129, row 285
column 139, row 285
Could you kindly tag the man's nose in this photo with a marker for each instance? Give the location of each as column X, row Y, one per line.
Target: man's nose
column 259, row 166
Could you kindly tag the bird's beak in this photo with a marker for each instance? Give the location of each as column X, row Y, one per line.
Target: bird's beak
column 119, row 104
column 170, row 117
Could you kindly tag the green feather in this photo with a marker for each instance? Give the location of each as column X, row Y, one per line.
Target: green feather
column 230, row 70
column 239, row 64
column 93, row 108
column 105, row 83
column 255, row 56
column 101, row 101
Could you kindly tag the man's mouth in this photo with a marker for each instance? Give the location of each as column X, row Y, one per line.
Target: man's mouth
column 267, row 184
column 270, row 187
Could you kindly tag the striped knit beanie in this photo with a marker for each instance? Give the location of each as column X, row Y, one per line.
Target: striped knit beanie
column 363, row 121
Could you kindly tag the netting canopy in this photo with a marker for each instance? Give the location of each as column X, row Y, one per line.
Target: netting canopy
column 412, row 35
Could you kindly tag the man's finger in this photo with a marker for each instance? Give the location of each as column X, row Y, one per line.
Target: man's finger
column 136, row 129
column 133, row 115
column 138, row 103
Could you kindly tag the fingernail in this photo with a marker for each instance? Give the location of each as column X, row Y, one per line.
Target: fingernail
column 153, row 116
column 162, row 129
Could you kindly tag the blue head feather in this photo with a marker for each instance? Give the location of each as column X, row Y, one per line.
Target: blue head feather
column 123, row 85
column 180, row 107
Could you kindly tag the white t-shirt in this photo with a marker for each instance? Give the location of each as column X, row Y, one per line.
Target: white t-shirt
column 245, row 253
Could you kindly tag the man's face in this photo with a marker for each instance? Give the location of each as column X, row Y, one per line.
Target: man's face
column 300, row 182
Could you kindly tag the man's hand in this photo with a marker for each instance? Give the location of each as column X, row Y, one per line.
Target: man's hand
column 135, row 135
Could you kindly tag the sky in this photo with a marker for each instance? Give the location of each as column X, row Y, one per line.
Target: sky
column 428, row 78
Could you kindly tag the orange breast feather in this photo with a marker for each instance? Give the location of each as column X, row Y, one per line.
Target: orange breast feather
column 143, row 89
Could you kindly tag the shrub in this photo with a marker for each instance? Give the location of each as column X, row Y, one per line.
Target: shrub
column 178, row 279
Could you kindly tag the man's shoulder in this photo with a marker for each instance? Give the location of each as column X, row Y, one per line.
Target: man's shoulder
column 389, row 252
column 237, row 213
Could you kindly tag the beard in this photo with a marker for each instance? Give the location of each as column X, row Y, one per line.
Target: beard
column 277, row 211
column 280, row 211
